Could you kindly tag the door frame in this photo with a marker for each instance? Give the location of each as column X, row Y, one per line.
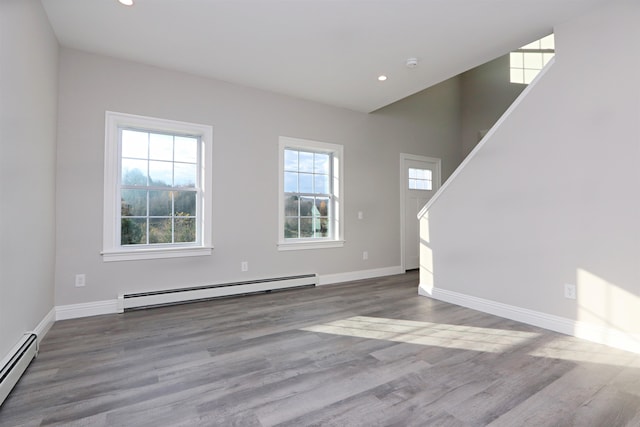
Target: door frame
column 404, row 188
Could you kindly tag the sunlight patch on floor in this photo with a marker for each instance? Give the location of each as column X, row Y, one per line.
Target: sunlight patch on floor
column 426, row 333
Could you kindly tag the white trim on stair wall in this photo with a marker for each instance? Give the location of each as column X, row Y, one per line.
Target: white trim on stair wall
column 607, row 336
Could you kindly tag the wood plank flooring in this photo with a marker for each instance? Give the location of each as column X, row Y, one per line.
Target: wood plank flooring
column 366, row 353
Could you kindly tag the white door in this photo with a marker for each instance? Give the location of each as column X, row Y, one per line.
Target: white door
column 420, row 179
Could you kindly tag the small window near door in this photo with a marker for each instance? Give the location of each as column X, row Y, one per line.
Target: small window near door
column 420, row 179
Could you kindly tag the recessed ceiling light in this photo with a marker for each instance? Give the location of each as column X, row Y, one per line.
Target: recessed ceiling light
column 126, row 2
column 382, row 78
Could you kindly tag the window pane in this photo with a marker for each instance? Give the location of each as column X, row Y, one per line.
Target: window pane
column 516, row 59
column 133, row 231
column 548, row 42
column 321, row 163
column 420, row 173
column 160, row 147
column 321, row 184
column 160, row 173
column 290, row 182
column 306, row 206
column 290, row 160
column 184, row 203
column 322, row 206
column 133, row 202
column 134, row 172
column 306, row 227
column 533, row 60
column 159, row 203
column 306, row 183
column 185, row 175
column 420, row 184
column 309, row 184
column 532, row 45
column 291, row 206
column 135, row 144
column 517, row 75
column 525, row 65
column 305, row 162
column 160, row 230
column 317, row 227
column 185, row 230
column 291, row 228
column 186, row 149
column 323, row 229
column 529, row 75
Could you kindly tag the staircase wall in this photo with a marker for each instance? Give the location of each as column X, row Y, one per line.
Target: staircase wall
column 552, row 195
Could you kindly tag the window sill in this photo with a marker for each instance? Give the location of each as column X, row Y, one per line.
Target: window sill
column 295, row 246
column 155, row 253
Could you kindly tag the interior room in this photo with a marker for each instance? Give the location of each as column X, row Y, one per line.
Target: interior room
column 461, row 248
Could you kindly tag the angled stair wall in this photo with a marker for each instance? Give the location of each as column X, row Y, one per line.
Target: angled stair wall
column 550, row 197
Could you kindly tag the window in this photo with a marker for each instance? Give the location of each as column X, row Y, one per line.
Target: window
column 310, row 213
column 420, row 179
column 527, row 61
column 157, row 201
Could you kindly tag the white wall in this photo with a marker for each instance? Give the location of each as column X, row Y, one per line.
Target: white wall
column 552, row 196
column 28, row 97
column 247, row 124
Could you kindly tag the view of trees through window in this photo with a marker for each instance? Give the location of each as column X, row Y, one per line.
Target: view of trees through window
column 158, row 188
column 307, row 187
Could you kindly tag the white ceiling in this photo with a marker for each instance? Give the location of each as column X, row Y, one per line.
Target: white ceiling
column 330, row 51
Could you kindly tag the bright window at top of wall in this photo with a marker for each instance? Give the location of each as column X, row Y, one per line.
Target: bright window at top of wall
column 157, row 201
column 526, row 62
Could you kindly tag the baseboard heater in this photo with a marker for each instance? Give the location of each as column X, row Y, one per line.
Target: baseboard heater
column 14, row 365
column 141, row 300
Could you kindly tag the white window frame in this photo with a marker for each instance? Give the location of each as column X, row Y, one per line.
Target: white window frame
column 112, row 249
column 337, row 180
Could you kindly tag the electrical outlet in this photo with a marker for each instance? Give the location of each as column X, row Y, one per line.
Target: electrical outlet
column 244, row 266
column 365, row 255
column 569, row 291
column 360, row 215
column 80, row 280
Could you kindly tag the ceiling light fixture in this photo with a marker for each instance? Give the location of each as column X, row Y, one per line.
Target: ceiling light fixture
column 126, row 2
column 382, row 78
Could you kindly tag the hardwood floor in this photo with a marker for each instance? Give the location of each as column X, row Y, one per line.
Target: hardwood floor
column 366, row 353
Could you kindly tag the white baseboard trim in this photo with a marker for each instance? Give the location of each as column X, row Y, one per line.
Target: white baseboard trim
column 595, row 333
column 328, row 279
column 45, row 324
column 40, row 330
column 95, row 308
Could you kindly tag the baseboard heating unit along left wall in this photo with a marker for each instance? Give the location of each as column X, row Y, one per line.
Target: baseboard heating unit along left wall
column 13, row 366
